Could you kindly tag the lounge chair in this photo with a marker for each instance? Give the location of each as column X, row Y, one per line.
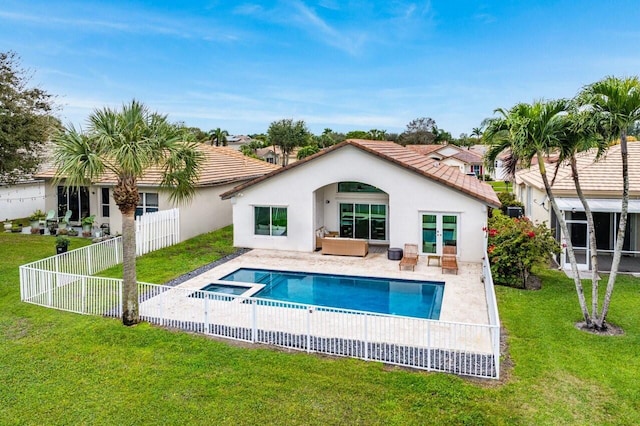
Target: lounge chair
column 67, row 217
column 449, row 259
column 409, row 257
column 51, row 217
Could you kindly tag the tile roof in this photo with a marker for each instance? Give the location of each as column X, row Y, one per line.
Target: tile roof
column 464, row 155
column 221, row 165
column 424, row 149
column 597, row 177
column 403, row 157
column 469, row 157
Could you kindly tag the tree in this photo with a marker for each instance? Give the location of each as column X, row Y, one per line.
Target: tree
column 357, row 134
column 377, row 135
column 328, row 138
column 616, row 105
column 288, row 134
column 218, row 137
column 532, row 130
column 419, row 131
column 127, row 143
column 25, row 120
column 477, row 133
column 306, row 151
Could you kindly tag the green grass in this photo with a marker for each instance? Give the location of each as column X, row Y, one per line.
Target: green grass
column 62, row 368
column 501, row 186
column 161, row 266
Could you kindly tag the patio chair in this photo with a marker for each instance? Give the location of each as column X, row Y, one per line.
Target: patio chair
column 409, row 257
column 449, row 259
column 67, row 217
column 51, row 217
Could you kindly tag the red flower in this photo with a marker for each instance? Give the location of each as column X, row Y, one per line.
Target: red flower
column 493, row 232
column 531, row 234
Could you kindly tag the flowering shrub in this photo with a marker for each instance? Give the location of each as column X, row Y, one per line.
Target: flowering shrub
column 514, row 246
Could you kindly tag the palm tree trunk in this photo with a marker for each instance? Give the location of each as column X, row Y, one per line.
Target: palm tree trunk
column 592, row 240
column 130, row 314
column 565, row 232
column 622, row 226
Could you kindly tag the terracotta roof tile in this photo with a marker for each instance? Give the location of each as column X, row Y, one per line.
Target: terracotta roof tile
column 403, row 157
column 221, row 165
column 597, row 176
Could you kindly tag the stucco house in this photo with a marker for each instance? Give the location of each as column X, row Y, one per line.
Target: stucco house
column 601, row 182
column 378, row 191
column 469, row 162
column 222, row 169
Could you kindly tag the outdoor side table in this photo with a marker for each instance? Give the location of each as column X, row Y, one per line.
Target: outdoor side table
column 394, row 253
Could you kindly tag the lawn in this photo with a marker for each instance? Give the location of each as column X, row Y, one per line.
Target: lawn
column 62, row 368
column 501, row 186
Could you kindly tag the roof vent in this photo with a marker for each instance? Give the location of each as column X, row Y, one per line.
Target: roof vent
column 436, row 164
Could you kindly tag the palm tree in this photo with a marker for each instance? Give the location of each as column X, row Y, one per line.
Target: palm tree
column 477, row 132
column 218, row 137
column 581, row 135
column 533, row 130
column 616, row 104
column 127, row 143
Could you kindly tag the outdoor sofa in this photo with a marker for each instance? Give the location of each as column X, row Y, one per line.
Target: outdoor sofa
column 345, row 246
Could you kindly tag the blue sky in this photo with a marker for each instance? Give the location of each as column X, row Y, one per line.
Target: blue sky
column 345, row 65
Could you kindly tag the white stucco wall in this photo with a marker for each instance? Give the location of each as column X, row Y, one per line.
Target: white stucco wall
column 409, row 194
column 21, row 199
column 205, row 213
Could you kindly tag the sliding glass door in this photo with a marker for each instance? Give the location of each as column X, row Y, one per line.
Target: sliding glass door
column 364, row 221
column 438, row 230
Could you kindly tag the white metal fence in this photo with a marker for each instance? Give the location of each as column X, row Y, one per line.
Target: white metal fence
column 468, row 349
column 157, row 230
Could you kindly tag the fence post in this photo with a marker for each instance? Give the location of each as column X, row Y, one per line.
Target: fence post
column 254, row 321
column 429, row 346
column 496, row 350
column 84, row 295
column 89, row 269
column 309, row 313
column 206, row 313
column 366, row 337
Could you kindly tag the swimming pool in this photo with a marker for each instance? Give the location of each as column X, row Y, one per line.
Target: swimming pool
column 418, row 299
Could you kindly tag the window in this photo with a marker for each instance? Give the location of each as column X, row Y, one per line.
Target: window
column 476, row 169
column 365, row 221
column 357, row 187
column 148, row 203
column 104, row 195
column 270, row 221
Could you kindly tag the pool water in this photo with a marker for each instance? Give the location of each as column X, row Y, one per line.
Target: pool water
column 418, row 299
column 225, row 289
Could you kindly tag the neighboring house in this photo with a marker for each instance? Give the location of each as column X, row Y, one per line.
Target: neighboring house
column 373, row 190
column 222, row 169
column 236, row 141
column 269, row 155
column 20, row 199
column 601, row 182
column 467, row 161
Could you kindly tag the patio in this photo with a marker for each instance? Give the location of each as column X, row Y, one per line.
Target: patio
column 463, row 299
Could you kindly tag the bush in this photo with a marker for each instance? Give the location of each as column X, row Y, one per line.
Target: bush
column 508, row 199
column 515, row 246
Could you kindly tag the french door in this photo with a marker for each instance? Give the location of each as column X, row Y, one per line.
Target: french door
column 74, row 199
column 364, row 221
column 579, row 237
column 438, row 230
